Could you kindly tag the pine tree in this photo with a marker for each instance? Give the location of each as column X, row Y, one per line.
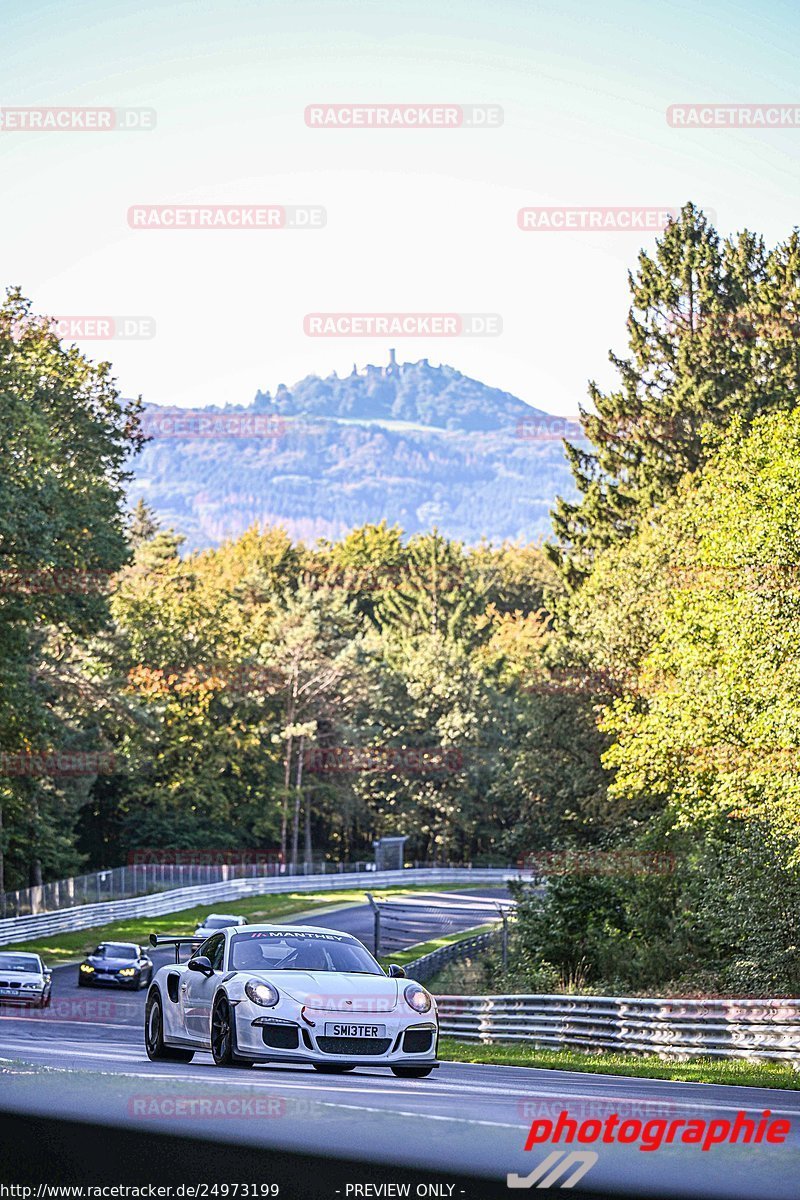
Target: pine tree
column 710, row 337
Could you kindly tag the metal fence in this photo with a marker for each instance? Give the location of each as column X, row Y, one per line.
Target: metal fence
column 401, row 921
column 141, row 879
column 89, row 916
column 671, row 1028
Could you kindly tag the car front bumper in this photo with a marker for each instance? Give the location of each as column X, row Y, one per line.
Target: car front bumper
column 94, row 979
column 29, row 996
column 269, row 1037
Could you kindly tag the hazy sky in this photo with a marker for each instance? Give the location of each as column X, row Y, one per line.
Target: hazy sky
column 417, row 220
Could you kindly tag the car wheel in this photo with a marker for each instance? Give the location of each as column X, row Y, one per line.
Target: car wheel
column 411, row 1072
column 222, row 1033
column 154, row 1035
column 333, row 1068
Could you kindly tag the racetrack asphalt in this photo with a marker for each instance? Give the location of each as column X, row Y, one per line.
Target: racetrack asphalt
column 84, row 1058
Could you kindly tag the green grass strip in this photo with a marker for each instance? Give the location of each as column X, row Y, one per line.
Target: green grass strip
column 740, row 1072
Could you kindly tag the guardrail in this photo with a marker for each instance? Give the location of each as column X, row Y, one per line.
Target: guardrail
column 430, row 964
column 404, row 919
column 671, row 1028
column 89, row 916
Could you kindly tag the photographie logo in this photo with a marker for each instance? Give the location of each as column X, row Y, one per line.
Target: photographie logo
column 561, row 1165
column 191, row 423
column 52, row 581
column 734, row 116
column 321, row 760
column 57, row 763
column 402, row 324
column 77, row 120
column 597, row 219
column 403, row 116
column 227, row 216
column 649, row 1135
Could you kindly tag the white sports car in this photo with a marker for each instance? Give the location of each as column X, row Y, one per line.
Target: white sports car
column 290, row 994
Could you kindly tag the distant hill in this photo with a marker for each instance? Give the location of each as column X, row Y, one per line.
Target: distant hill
column 416, row 444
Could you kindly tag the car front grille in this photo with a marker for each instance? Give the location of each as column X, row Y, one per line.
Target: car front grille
column 281, row 1037
column 344, row 1045
column 9, row 983
column 417, row 1041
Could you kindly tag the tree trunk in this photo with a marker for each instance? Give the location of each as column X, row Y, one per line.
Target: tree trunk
column 287, row 772
column 35, row 869
column 307, row 855
column 2, row 869
column 297, row 798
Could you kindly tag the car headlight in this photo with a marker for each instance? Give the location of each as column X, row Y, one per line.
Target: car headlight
column 128, row 971
column 262, row 993
column 417, row 998
column 87, row 968
column 36, row 986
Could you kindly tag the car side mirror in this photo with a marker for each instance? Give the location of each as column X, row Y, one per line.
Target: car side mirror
column 201, row 964
column 396, row 972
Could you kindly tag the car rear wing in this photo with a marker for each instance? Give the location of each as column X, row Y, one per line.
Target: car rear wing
column 176, row 940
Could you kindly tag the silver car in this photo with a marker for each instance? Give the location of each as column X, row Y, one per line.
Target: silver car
column 24, row 979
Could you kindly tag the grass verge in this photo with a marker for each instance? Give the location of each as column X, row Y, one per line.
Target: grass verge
column 739, row 1072
column 62, row 948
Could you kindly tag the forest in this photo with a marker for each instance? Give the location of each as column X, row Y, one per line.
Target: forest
column 629, row 686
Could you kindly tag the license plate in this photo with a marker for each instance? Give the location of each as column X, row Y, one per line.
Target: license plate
column 9, row 991
column 334, row 1029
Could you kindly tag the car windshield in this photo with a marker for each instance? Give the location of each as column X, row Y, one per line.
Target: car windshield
column 115, row 950
column 219, row 922
column 20, row 962
column 283, row 951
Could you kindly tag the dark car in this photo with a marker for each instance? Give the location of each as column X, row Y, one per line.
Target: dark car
column 119, row 964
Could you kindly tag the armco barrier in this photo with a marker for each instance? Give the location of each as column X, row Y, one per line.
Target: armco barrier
column 430, row 964
column 89, row 916
column 671, row 1028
